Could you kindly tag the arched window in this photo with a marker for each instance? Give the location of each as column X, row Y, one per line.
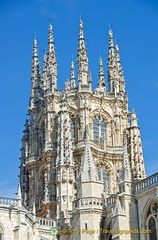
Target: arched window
column 73, row 131
column 152, row 227
column 99, row 130
column 103, row 176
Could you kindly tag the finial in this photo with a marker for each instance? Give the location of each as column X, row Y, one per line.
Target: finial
column 35, row 51
column 82, row 61
column 50, row 34
column 72, row 76
column 34, row 35
column 51, row 64
column 19, row 192
column 110, row 26
column 19, row 196
column 134, row 119
column 81, row 33
column 111, row 39
column 101, row 81
column 50, row 19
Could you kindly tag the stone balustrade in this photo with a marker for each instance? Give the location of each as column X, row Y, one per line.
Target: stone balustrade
column 46, row 222
column 104, row 147
column 88, row 202
column 147, row 182
column 110, row 201
column 8, row 201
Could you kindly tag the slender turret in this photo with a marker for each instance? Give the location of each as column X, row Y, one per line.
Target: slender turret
column 35, row 77
column 111, row 59
column 44, row 73
column 101, row 81
column 83, row 72
column 51, row 63
column 114, row 66
column 136, row 153
column 119, row 69
column 72, row 76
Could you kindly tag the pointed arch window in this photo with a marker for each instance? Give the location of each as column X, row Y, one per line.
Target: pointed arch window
column 152, row 227
column 99, row 130
column 103, row 175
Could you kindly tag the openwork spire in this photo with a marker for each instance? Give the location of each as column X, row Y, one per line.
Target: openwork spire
column 115, row 73
column 51, row 63
column 111, row 53
column 35, row 73
column 72, row 76
column 81, row 44
column 44, row 72
column 119, row 69
column 35, row 77
column 101, row 81
column 111, row 62
column 82, row 60
column 137, row 159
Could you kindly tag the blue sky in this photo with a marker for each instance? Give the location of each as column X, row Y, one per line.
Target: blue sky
column 135, row 26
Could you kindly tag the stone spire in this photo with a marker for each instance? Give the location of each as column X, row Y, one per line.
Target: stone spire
column 119, row 69
column 44, row 72
column 82, row 60
column 101, row 81
column 72, row 76
column 136, row 152
column 113, row 77
column 126, row 169
column 35, row 77
column 51, row 63
column 88, row 168
column 19, row 192
column 19, row 196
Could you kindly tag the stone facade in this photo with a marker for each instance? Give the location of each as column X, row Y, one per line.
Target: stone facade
column 82, row 166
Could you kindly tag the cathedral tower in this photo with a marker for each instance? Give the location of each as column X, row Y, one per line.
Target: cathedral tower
column 80, row 145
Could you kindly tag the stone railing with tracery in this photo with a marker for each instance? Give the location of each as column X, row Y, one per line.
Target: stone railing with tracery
column 147, row 183
column 88, row 202
column 110, row 201
column 8, row 201
column 46, row 222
